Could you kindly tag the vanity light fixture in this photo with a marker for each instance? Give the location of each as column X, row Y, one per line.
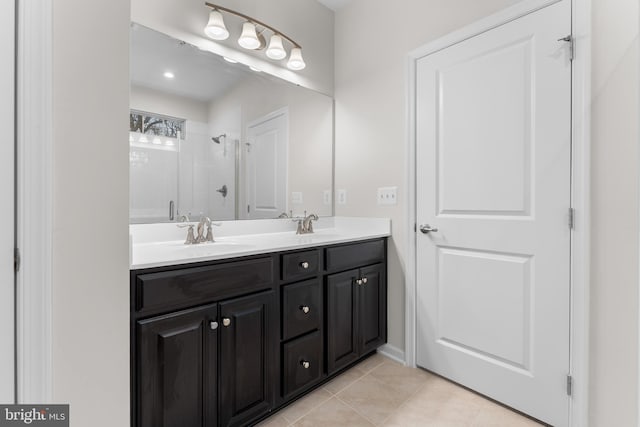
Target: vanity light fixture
column 249, row 37
column 229, row 60
column 276, row 49
column 168, row 75
column 215, row 28
column 257, row 70
column 252, row 36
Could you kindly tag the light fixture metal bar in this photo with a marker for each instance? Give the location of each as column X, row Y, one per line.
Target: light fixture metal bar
column 255, row 21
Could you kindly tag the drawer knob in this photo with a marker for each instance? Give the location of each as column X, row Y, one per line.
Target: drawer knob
column 359, row 282
column 305, row 309
column 365, row 280
column 305, row 364
column 304, row 264
column 213, row 325
column 226, row 321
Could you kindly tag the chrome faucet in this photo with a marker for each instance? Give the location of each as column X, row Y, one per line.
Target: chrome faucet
column 201, row 237
column 305, row 225
column 209, row 237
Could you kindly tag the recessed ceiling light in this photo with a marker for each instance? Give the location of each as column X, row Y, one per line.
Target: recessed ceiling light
column 233, row 61
column 168, row 75
column 254, row 69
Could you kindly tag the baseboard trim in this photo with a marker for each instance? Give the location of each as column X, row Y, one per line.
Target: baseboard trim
column 392, row 352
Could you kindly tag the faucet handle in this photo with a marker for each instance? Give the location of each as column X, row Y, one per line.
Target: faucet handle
column 209, row 237
column 190, row 237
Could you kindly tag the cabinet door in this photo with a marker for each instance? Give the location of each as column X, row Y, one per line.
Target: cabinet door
column 342, row 344
column 248, row 364
column 177, row 355
column 372, row 308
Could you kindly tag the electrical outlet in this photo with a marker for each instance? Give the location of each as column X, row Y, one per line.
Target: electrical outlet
column 342, row 197
column 296, row 198
column 326, row 197
column 387, row 195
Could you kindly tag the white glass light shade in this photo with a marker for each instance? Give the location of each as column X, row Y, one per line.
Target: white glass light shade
column 295, row 60
column 275, row 49
column 215, row 28
column 249, row 38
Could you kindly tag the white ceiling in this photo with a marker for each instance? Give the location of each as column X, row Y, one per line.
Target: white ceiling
column 335, row 5
column 198, row 75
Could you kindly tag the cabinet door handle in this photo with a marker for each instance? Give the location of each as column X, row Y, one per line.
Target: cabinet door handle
column 213, row 325
column 304, row 264
column 305, row 309
column 305, row 364
column 358, row 281
column 365, row 280
column 226, row 321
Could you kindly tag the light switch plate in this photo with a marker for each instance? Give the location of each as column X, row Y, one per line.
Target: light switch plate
column 296, row 198
column 342, row 197
column 326, row 197
column 387, row 195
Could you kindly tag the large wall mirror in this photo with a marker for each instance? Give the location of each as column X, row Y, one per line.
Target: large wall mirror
column 214, row 138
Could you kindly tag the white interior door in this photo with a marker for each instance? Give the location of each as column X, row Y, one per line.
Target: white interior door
column 493, row 176
column 7, row 227
column 266, row 154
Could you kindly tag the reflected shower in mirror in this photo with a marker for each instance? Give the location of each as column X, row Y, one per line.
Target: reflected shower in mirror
column 214, row 138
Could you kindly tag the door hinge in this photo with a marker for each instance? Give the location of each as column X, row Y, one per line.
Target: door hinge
column 569, row 385
column 248, row 208
column 16, row 260
column 415, row 228
column 572, row 45
column 572, row 218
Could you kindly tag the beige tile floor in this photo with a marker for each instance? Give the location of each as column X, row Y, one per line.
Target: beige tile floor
column 381, row 392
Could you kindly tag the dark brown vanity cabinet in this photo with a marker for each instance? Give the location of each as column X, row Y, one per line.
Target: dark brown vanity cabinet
column 177, row 369
column 302, row 311
column 248, row 358
column 356, row 305
column 212, row 365
column 225, row 343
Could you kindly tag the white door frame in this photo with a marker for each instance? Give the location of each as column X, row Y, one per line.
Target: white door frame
column 34, row 205
column 580, row 186
column 7, row 215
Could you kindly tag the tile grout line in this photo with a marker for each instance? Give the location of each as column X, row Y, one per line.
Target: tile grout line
column 355, row 410
column 332, row 394
column 311, row 409
column 381, row 383
column 404, row 403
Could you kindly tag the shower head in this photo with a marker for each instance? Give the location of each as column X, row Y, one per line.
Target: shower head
column 216, row 139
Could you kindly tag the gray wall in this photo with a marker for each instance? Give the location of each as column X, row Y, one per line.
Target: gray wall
column 90, row 313
column 614, row 201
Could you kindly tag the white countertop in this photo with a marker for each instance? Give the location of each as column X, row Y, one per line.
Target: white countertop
column 158, row 245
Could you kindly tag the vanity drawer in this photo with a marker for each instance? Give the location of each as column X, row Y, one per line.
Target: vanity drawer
column 299, row 265
column 161, row 291
column 354, row 255
column 302, row 363
column 301, row 308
